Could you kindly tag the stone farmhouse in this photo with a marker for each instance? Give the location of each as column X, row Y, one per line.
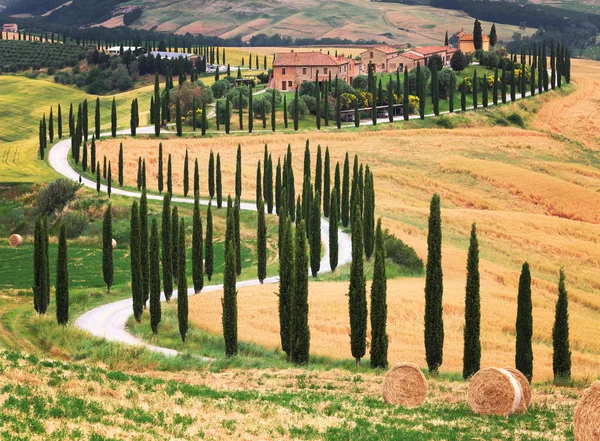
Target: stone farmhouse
column 10, row 27
column 380, row 57
column 466, row 43
column 291, row 69
column 409, row 59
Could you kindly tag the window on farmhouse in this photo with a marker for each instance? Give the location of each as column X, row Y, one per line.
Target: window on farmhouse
column 371, row 55
column 325, row 70
column 283, row 70
column 304, row 71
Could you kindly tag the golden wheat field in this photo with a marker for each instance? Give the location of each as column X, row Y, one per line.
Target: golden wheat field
column 533, row 194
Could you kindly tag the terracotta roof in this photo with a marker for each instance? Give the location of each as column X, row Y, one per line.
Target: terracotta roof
column 429, row 50
column 411, row 56
column 385, row 49
column 469, row 37
column 305, row 59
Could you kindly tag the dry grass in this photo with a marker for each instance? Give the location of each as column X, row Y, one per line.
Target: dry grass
column 531, row 195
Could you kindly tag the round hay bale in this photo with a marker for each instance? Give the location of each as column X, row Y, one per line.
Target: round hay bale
column 405, row 385
column 494, row 391
column 114, row 244
column 15, row 240
column 587, row 415
column 525, row 388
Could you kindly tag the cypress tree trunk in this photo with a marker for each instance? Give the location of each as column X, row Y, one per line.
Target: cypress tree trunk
column 107, row 249
column 197, row 248
column 155, row 308
column 219, row 183
column 175, row 242
column 113, row 119
column 315, row 234
column 186, row 175
column 238, row 240
column 561, row 359
column 229, row 301
column 169, row 177
column 286, row 284
column 135, row 253
column 209, row 260
column 333, row 230
column 62, row 279
column 167, row 255
column 434, row 323
column 182, row 295
column 238, row 173
column 211, row 175
column 472, row 348
column 524, row 325
column 357, row 298
column 300, row 333
column 261, row 242
column 379, row 339
column 346, row 193
column 144, row 257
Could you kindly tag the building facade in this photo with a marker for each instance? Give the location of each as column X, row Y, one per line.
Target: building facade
column 466, row 43
column 409, row 59
column 379, row 58
column 10, row 27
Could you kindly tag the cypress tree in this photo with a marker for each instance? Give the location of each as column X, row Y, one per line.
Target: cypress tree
column 133, row 119
column 495, row 87
column 41, row 288
column 186, row 175
column 238, row 240
column 113, row 119
column 139, row 173
column 211, row 175
column 484, row 93
column 493, row 35
column 346, row 193
column 561, row 358
column 175, row 241
column 513, row 85
column 227, row 115
column 299, row 332
column 238, row 172
column 296, row 110
column 84, row 160
column 374, row 109
column 315, row 234
column 524, row 325
column 286, row 284
column 503, row 84
column 197, row 248
column 434, row 323
column 104, row 169
column 135, row 253
column 319, row 172
column 357, row 297
column 229, row 301
column 167, row 255
column 317, row 101
column 109, row 181
column 435, row 91
column 107, row 249
column 250, row 111
column 532, row 82
column 391, row 101
column 258, row 185
column 278, row 189
column 472, row 348
column 333, row 229
column 273, row 109
column 97, row 118
column 93, row 156
column 326, row 183
column 204, row 120
column 405, row 102
column 209, row 259
column 59, row 122
column 155, row 309
column 51, row 127
column 182, row 295
column 552, row 65
column 369, row 214
column 46, row 260
column 169, row 177
column 261, row 242
column 178, row 125
column 196, row 178
column 285, row 112
column 422, row 95
column 477, row 35
column 98, row 177
column 446, row 39
column 463, row 95
column 144, row 257
column 379, row 339
column 219, row 184
column 160, row 168
column 475, row 90
column 62, row 279
column 268, row 187
column 356, row 114
column 338, row 105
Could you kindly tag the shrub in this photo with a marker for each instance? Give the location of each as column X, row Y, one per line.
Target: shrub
column 444, row 122
column 488, row 59
column 516, row 119
column 401, row 254
column 222, row 108
column 220, row 88
column 51, row 70
column 261, row 106
column 459, row 61
column 74, row 222
column 234, row 96
column 55, row 195
column 278, row 97
column 361, row 82
column 308, row 88
column 444, row 81
column 435, row 60
column 311, row 103
column 302, row 107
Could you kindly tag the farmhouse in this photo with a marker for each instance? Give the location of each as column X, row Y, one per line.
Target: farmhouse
column 116, row 50
column 10, row 27
column 174, row 55
column 290, row 69
column 466, row 43
column 409, row 59
column 379, row 57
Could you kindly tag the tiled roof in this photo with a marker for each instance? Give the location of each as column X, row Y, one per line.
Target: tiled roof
column 385, row 49
column 411, row 56
column 469, row 37
column 305, row 59
column 429, row 50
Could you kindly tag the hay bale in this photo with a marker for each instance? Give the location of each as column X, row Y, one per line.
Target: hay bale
column 405, row 385
column 494, row 391
column 15, row 240
column 525, row 388
column 114, row 244
column 587, row 415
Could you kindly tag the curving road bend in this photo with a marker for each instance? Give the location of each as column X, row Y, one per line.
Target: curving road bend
column 110, row 321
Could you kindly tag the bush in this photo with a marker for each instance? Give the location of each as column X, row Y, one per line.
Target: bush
column 234, row 96
column 220, row 88
column 55, row 195
column 444, row 81
column 444, row 122
column 308, row 88
column 435, row 60
column 361, row 82
column 488, row 59
column 311, row 103
column 74, row 222
column 261, row 106
column 516, row 119
column 222, row 107
column 278, row 98
column 401, row 254
column 302, row 107
column 459, row 61
column 51, row 70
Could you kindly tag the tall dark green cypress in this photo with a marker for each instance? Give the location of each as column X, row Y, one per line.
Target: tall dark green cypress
column 144, row 256
column 434, row 323
column 379, row 339
column 133, row 119
column 167, row 255
column 278, row 189
column 238, row 240
column 250, row 110
column 59, row 122
column 40, row 268
column 229, row 301
column 296, row 110
column 357, row 297
column 561, row 358
column 285, row 112
column 299, row 332
column 197, row 248
column 169, row 177
column 109, row 180
column 238, row 172
column 484, row 93
column 513, row 85
column 211, row 175
column 51, row 126
column 46, row 259
column 98, row 177
column 182, row 294
column 273, row 110
column 107, row 249
column 196, row 178
column 503, row 84
column 259, row 197
column 155, row 308
column 472, row 343
column 139, row 173
column 333, row 229
column 113, row 119
column 62, row 279
column 160, row 168
column 209, row 259
column 120, row 165
column 524, row 325
column 178, row 125
column 135, row 253
column 345, row 210
column 422, row 88
column 495, row 87
column 175, row 241
column 405, row 102
column 157, row 107
column 315, row 234
column 286, row 284
column 317, row 100
column 475, row 91
column 326, row 183
column 97, row 118
column 219, row 184
column 261, row 242
column 268, row 187
column 319, row 172
column 435, row 91
column 204, row 120
column 369, row 214
column 186, row 174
